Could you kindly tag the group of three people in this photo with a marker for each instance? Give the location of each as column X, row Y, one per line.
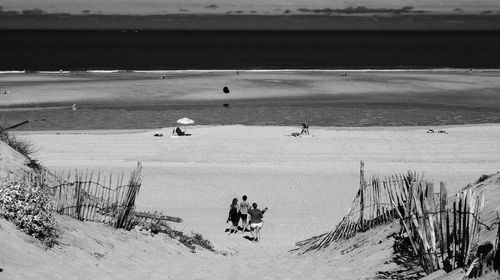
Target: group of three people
column 242, row 212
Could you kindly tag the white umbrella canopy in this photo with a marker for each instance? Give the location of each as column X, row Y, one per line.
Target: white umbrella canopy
column 185, row 121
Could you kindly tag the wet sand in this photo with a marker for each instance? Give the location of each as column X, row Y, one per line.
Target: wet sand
column 322, row 98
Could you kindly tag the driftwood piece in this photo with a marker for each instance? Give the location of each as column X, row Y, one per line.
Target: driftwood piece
column 157, row 217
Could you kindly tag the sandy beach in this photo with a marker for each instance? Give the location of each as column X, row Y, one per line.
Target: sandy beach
column 307, row 182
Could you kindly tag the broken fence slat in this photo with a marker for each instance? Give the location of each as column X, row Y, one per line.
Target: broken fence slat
column 157, row 217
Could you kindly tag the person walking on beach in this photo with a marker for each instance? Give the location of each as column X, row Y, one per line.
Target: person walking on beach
column 256, row 222
column 244, row 207
column 234, row 216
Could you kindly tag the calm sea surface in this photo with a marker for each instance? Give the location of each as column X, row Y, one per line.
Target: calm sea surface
column 290, row 113
column 150, row 50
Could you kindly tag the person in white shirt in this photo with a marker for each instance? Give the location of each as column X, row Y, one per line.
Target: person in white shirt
column 244, row 207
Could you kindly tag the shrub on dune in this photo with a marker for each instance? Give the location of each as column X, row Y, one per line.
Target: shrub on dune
column 29, row 209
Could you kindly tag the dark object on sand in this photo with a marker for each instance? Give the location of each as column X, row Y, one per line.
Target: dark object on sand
column 305, row 129
column 225, row 90
column 158, row 135
column 16, row 125
column 430, row 130
column 1, row 270
column 225, row 105
column 179, row 132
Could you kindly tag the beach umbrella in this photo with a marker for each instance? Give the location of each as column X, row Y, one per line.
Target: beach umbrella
column 185, row 121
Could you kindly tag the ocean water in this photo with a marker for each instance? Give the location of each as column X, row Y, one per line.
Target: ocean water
column 258, row 112
column 194, row 52
column 43, row 50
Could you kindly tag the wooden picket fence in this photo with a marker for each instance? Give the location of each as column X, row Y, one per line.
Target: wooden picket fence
column 96, row 196
column 442, row 237
column 375, row 203
column 40, row 179
column 442, row 234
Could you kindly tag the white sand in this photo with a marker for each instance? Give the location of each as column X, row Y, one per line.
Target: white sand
column 308, row 183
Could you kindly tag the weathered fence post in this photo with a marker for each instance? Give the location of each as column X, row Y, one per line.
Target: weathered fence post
column 361, row 193
column 443, row 201
column 132, row 191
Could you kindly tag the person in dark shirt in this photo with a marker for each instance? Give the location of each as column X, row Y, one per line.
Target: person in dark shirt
column 256, row 221
column 179, row 131
column 234, row 216
column 305, row 129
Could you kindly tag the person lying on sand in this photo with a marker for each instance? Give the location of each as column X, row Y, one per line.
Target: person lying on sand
column 234, row 216
column 256, row 221
column 179, row 132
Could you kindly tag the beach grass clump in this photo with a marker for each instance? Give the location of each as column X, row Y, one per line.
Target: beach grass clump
column 198, row 239
column 29, row 208
column 24, row 147
column 189, row 240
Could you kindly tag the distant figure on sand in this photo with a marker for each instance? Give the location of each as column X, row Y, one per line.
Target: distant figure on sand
column 234, row 216
column 244, row 207
column 304, row 131
column 256, row 221
column 305, row 128
column 73, row 107
column 179, row 132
